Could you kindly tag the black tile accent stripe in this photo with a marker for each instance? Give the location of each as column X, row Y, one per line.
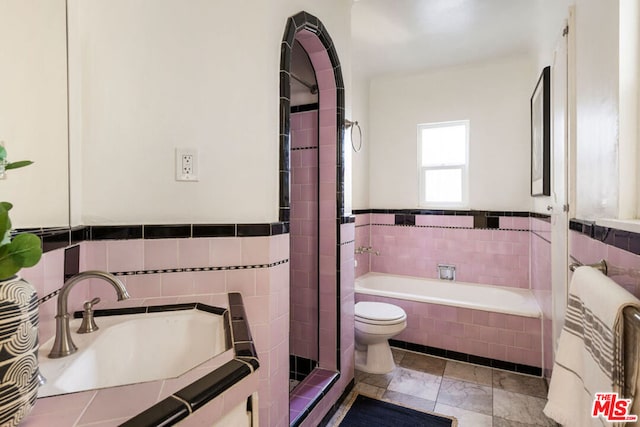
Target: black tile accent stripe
column 192, row 269
column 450, row 212
column 348, row 219
column 71, row 261
column 300, row 367
column 305, row 148
column 57, row 238
column 179, row 270
column 242, row 340
column 300, row 108
column 469, row 358
column 405, row 219
column 621, row 239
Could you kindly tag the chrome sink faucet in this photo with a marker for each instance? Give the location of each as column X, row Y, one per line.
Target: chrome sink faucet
column 63, row 344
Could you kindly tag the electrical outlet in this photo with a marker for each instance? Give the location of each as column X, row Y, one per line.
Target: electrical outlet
column 186, row 164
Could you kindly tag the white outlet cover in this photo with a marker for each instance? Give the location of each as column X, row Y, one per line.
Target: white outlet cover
column 191, row 174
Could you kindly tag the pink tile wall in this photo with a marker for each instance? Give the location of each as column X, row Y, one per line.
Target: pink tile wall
column 363, row 231
column 494, row 335
column 304, row 235
column 588, row 251
column 496, row 257
column 541, row 284
column 347, row 303
column 265, row 292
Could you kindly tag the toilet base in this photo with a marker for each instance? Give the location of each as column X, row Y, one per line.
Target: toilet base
column 376, row 359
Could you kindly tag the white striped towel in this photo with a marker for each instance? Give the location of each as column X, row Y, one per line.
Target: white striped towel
column 588, row 358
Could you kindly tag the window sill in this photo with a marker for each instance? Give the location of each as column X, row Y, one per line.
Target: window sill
column 632, row 225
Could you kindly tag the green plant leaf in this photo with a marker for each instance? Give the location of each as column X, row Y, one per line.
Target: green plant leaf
column 3, row 153
column 23, row 251
column 8, row 265
column 16, row 165
column 5, row 223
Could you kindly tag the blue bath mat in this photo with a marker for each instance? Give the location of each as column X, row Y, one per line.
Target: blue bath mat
column 368, row 412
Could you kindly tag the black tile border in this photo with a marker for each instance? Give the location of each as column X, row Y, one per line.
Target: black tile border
column 448, row 212
column 621, row 239
column 197, row 394
column 469, row 358
column 299, row 108
column 58, row 238
column 300, row 367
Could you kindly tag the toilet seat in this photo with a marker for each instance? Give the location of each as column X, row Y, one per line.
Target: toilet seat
column 379, row 313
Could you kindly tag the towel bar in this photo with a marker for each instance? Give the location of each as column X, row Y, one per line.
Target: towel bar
column 601, row 266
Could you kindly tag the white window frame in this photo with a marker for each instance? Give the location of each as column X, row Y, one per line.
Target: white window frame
column 463, row 167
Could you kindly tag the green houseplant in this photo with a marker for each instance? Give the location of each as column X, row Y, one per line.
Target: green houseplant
column 19, row 373
column 23, row 250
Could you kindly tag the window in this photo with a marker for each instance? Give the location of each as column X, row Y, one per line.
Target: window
column 443, row 163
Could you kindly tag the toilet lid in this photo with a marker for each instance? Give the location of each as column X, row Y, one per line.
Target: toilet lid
column 379, row 311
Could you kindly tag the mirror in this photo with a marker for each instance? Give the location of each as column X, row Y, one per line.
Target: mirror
column 33, row 110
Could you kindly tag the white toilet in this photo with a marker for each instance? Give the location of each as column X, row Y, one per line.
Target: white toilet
column 376, row 322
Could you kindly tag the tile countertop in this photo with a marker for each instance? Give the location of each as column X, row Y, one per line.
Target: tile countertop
column 216, row 386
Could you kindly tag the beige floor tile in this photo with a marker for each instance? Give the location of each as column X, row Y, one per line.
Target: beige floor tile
column 469, row 372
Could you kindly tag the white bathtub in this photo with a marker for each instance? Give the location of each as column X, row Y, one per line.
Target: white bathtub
column 498, row 299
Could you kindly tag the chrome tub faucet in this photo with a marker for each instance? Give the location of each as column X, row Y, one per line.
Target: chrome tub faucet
column 63, row 344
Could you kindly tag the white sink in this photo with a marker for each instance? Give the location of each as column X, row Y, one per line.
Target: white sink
column 133, row 348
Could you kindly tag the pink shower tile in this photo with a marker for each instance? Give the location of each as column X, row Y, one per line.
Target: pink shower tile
column 125, row 255
column 294, row 120
column 329, row 98
column 326, row 81
column 309, row 120
column 327, row 134
column 225, row 251
column 313, row 46
column 321, row 61
column 193, row 252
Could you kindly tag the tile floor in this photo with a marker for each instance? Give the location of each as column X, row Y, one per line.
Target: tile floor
column 477, row 396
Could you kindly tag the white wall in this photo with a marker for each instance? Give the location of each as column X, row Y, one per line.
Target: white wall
column 150, row 76
column 597, row 101
column 360, row 160
column 33, row 110
column 493, row 95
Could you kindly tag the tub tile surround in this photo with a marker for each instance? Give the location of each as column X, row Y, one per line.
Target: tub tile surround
column 264, row 285
column 486, row 247
column 495, row 256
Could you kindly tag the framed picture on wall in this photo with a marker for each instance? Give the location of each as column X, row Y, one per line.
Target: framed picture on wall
column 541, row 136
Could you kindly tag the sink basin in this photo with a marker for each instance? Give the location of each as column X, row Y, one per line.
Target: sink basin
column 133, row 348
